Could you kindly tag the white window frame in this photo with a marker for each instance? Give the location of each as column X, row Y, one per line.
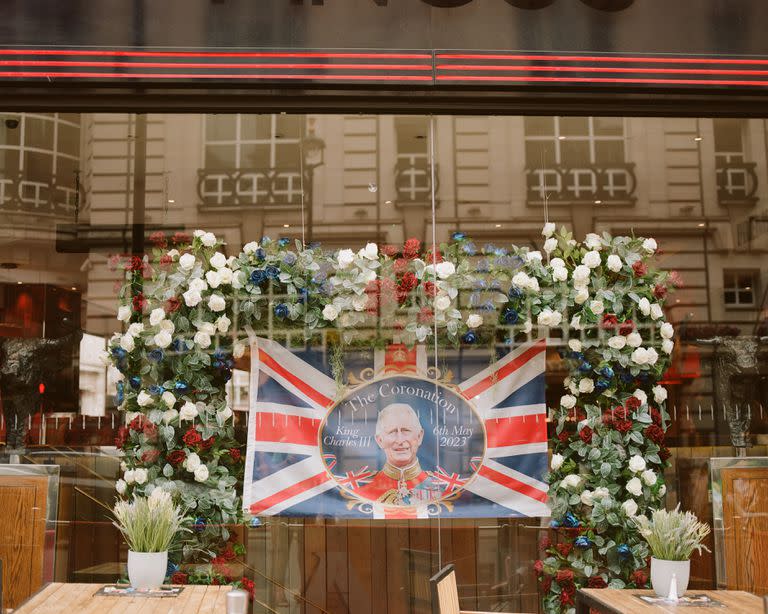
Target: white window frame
column 736, row 289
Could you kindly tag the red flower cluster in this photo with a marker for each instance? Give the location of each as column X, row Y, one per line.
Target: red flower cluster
column 633, row 403
column 139, row 302
column 639, row 577
column 248, row 586
column 609, row 321
column 206, row 444
column 176, row 457
column 411, row 248
column 664, row 454
column 192, row 437
column 235, row 454
column 179, row 577
column 172, row 304
column 626, row 327
column 158, row 239
column 150, row 456
column 676, row 279
column 545, row 543
column 388, row 250
column 566, row 596
column 538, row 567
column 181, row 238
column 165, row 261
column 122, row 436
column 655, row 433
column 564, row 549
column 546, row 583
column 659, row 291
column 586, row 434
column 134, row 263
column 564, row 576
column 596, row 582
column 640, row 268
column 406, row 283
column 656, row 416
column 425, row 315
column 430, row 289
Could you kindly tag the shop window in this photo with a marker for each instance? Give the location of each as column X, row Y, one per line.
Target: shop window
column 413, row 176
column 739, row 288
column 39, row 163
column 577, row 160
column 736, row 178
column 252, row 160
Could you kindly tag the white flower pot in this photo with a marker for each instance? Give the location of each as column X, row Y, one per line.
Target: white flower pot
column 661, row 575
column 147, row 569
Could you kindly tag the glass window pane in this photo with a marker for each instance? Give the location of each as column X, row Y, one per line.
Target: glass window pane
column 574, row 126
column 220, row 156
column 39, row 133
column 68, row 139
column 539, row 154
column 728, row 134
column 745, row 298
column 38, row 166
column 574, row 153
column 730, row 297
column 10, row 132
column 608, row 126
column 609, row 152
column 220, row 127
column 255, row 127
column 539, row 126
column 255, row 156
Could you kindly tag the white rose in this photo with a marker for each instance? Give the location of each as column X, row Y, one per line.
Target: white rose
column 635, row 487
column 571, row 481
column 168, row 398
column 659, row 394
column 167, row 326
column 573, row 387
column 586, row 385
column 591, row 259
column 527, row 326
column 201, row 473
column 637, row 464
column 640, row 396
column 587, row 497
column 217, row 303
column 593, row 241
column 629, row 507
column 359, row 302
column 550, row 245
column 144, row 399
column 192, row 297
column 557, row 263
column 225, row 413
column 575, row 345
column 129, row 476
column 198, row 233
column 617, row 342
column 135, row 329
column 238, row 351
column 192, row 462
column 345, row 257
column 445, row 269
column 601, row 492
column 250, row 248
column 218, row 260
column 330, row 313
column 652, row 355
column 474, row 320
column 557, row 461
column 121, row 486
column 559, row 273
column 634, row 340
column 198, row 283
column 163, row 339
column 582, row 294
column 213, row 278
column 520, row 279
column 127, row 342
column 188, row 411
column 645, row 306
column 531, row 256
column 667, row 346
column 662, row 490
column 208, row 239
column 202, row 339
column 576, row 322
column 650, row 245
column 226, row 275
column 223, row 323
column 567, row 401
column 187, row 262
column 596, row 307
column 209, row 328
column 656, row 311
column 124, row 313
column 442, row 302
column 640, row 356
column 649, row 477
column 614, row 263
column 548, row 230
column 370, row 251
column 140, row 475
column 667, row 330
column 157, row 316
column 169, row 415
column 533, row 284
column 580, row 273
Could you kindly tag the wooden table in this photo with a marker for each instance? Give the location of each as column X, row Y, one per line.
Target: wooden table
column 623, row 601
column 59, row 597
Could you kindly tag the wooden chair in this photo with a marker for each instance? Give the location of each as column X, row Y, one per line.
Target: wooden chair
column 445, row 594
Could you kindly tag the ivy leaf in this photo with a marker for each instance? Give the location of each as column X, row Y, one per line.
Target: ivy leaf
column 605, row 469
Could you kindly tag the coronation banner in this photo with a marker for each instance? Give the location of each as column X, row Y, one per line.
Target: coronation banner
column 401, row 439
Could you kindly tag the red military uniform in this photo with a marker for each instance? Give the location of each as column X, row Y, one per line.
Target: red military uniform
column 394, row 486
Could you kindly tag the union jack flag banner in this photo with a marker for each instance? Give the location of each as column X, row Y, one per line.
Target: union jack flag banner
column 401, row 439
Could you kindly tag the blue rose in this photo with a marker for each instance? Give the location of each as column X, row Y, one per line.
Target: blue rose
column 255, row 522
column 469, row 337
column 181, row 386
column 585, row 367
column 511, row 316
column 119, row 353
column 155, row 389
column 487, row 306
column 171, row 568
column 554, row 523
column 515, row 292
column 458, row 236
column 489, row 248
column 623, row 551
column 289, row 259
column 199, row 525
column 179, row 346
column 479, row 284
column 258, row 277
column 135, row 382
column 495, row 284
column 220, row 354
column 569, row 520
column 469, row 249
column 260, row 254
column 156, row 355
column 281, row 310
column 483, row 266
column 500, row 251
column 606, row 371
column 601, row 385
column 304, row 294
column 120, row 396
column 284, row 242
column 272, row 272
column 582, row 541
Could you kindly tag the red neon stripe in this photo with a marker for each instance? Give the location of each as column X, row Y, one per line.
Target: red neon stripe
column 516, row 430
column 513, row 484
column 83, row 64
column 95, row 75
column 313, row 394
column 510, row 367
column 212, row 54
column 597, row 79
column 291, row 491
column 285, row 428
column 596, row 58
column 684, row 71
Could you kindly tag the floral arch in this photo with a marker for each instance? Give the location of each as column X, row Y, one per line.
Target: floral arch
column 188, row 310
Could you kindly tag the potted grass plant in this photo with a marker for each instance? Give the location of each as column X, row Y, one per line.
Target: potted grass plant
column 149, row 526
column 672, row 537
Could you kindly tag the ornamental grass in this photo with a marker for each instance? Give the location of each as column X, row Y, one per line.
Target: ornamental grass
column 149, row 524
column 673, row 536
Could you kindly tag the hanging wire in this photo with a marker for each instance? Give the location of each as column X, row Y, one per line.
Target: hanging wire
column 301, row 170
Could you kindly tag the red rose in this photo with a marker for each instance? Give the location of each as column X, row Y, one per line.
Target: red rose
column 135, row 263
column 659, row 291
column 546, row 583
column 431, row 258
column 192, row 437
column 388, row 250
column 586, row 434
column 122, row 436
column 150, row 456
column 248, row 586
column 639, row 577
column 401, row 265
column 176, row 457
column 655, row 433
column 180, row 238
column 626, row 327
column 538, row 567
column 139, row 302
column 623, row 426
column 235, row 454
column 609, row 321
column 411, row 248
column 179, row 578
column 566, row 595
column 137, row 424
column 607, row 418
column 408, row 281
column 656, row 416
column 596, row 582
column 564, row 436
column 564, row 549
column 545, row 543
column 430, row 289
column 425, row 315
column 633, row 403
column 564, row 576
column 158, row 239
column 150, row 430
column 639, row 268
column 172, row 304
column 165, row 261
column 205, row 444
column 664, row 454
column 676, row 279
column 228, row 553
